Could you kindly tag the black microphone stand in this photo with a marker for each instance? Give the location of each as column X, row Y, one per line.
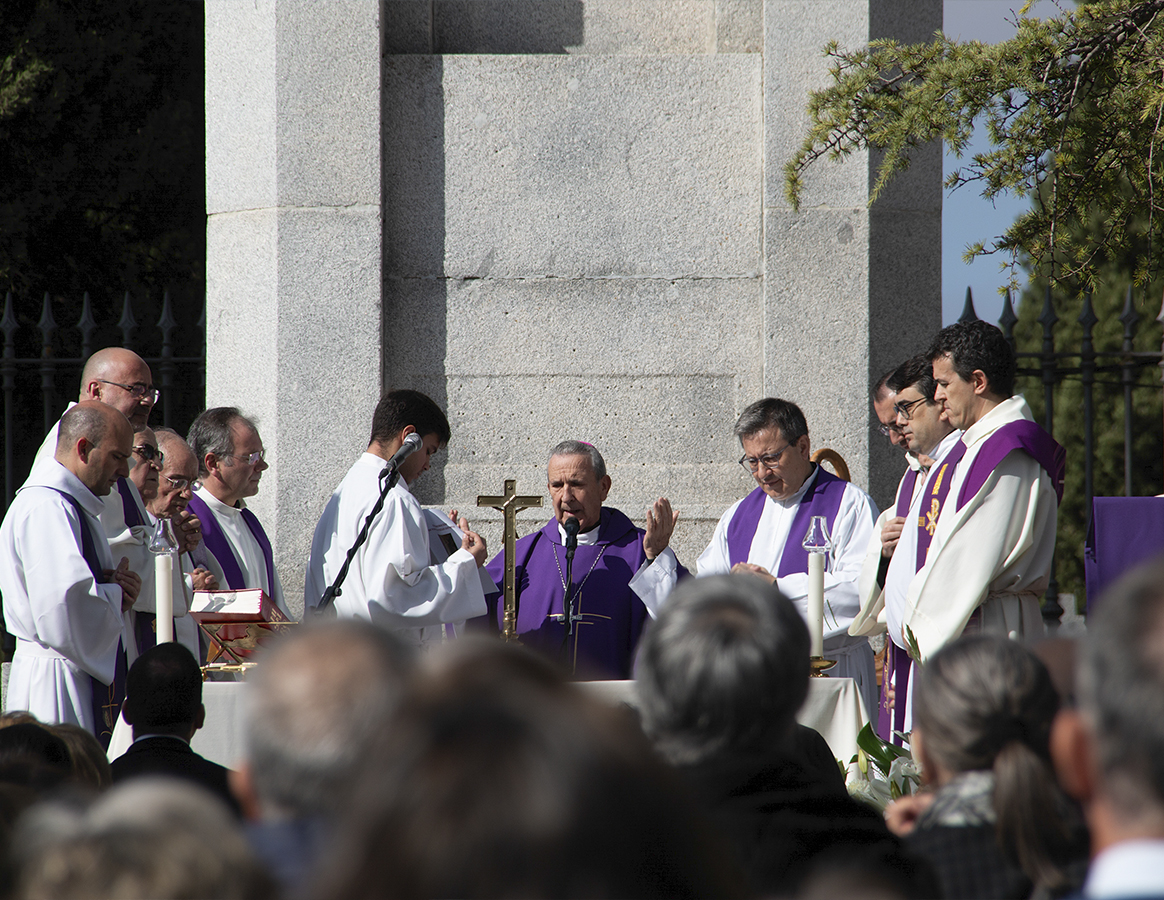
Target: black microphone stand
column 389, row 475
column 571, row 527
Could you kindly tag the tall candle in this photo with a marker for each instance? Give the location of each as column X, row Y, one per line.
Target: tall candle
column 164, row 596
column 816, row 563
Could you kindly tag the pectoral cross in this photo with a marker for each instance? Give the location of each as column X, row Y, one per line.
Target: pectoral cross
column 509, row 504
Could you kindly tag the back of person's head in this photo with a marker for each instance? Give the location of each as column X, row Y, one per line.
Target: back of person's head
column 399, row 409
column 1121, row 692
column 772, row 412
column 33, row 741
column 724, row 667
column 90, row 766
column 988, row 703
column 916, row 372
column 148, row 838
column 315, row 702
column 497, row 778
column 978, row 345
column 163, row 690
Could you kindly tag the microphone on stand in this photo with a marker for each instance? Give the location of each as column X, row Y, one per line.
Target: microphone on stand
column 571, row 527
column 411, row 445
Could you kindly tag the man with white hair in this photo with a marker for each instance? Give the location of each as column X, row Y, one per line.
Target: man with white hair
column 611, row 552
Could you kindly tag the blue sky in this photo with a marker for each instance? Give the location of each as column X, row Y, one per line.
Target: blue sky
column 966, row 216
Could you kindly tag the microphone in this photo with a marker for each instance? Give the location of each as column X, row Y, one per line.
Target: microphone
column 571, row 527
column 411, row 445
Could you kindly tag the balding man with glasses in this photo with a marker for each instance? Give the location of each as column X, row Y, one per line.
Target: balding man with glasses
column 763, row 534
column 119, row 378
column 231, row 462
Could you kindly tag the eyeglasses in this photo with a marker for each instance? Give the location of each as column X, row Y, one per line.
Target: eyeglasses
column 251, row 459
column 139, row 390
column 906, row 407
column 768, row 460
column 891, row 428
column 150, row 454
column 180, row 484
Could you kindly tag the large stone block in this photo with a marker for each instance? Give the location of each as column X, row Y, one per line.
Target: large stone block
column 739, row 26
column 572, row 26
column 816, row 330
column 573, row 166
column 293, row 340
column 240, row 105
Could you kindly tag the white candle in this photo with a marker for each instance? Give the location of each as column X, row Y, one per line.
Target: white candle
column 164, row 596
column 816, row 563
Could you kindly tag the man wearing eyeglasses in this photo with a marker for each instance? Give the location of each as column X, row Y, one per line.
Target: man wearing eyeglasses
column 231, row 462
column 121, row 379
column 763, row 534
column 176, row 476
column 891, row 560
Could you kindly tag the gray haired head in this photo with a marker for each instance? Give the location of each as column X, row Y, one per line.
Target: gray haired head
column 771, row 412
column 581, row 448
column 316, row 703
column 212, row 432
column 1121, row 689
column 725, row 665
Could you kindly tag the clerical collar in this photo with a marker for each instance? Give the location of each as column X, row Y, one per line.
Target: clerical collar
column 795, row 499
column 218, row 506
column 585, row 538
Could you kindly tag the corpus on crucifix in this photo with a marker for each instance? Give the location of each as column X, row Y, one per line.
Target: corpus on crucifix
column 509, row 504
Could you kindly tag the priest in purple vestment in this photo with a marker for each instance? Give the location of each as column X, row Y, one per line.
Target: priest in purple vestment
column 608, row 614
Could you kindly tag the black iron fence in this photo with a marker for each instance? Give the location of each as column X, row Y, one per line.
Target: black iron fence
column 42, row 361
column 1121, row 371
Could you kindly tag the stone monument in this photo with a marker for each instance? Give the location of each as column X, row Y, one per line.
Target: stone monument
column 561, row 218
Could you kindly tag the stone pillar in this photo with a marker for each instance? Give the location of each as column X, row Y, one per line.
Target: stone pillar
column 294, row 244
column 849, row 290
column 584, row 235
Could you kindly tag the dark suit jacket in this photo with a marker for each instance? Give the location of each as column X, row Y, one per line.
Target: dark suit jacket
column 172, row 756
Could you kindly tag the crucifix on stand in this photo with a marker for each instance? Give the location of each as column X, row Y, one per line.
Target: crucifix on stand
column 509, row 504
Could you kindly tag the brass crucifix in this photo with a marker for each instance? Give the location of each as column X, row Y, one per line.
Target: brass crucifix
column 510, row 505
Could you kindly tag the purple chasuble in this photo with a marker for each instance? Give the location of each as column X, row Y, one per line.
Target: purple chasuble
column 823, row 498
column 612, row 614
column 218, row 544
column 1021, row 434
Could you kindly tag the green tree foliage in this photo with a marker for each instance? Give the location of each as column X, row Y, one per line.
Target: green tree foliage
column 101, row 146
column 1112, row 280
column 1072, row 105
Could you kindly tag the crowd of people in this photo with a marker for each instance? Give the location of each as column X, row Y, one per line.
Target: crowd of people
column 396, row 747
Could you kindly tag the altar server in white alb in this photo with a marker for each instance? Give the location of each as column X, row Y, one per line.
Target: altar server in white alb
column 986, row 528
column 231, row 462
column 398, row 578
column 892, row 559
column 63, row 596
column 764, row 533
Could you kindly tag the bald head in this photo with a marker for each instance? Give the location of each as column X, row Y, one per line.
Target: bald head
column 94, row 442
column 121, row 379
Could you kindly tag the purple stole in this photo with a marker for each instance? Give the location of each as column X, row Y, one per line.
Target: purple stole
column 934, row 498
column 1022, row 434
column 905, row 493
column 128, row 505
column 822, row 499
column 107, row 698
column 218, row 544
